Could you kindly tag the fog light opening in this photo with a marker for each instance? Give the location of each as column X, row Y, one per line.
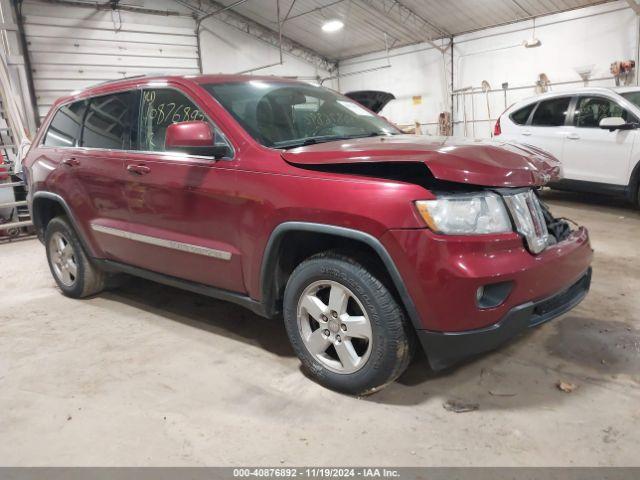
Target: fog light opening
column 493, row 295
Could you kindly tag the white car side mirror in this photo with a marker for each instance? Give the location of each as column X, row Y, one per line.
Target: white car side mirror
column 615, row 123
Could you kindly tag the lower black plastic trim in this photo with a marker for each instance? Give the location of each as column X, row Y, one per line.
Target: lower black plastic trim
column 209, row 291
column 445, row 349
column 270, row 260
column 590, row 187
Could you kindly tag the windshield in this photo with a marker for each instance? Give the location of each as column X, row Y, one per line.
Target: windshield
column 287, row 115
column 633, row 97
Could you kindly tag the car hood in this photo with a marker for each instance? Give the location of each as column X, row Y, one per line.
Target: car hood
column 374, row 100
column 474, row 162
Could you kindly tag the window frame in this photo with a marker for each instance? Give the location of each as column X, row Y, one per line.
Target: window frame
column 596, row 95
column 570, row 109
column 139, row 88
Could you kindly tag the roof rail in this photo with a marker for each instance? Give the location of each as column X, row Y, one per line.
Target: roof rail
column 120, row 79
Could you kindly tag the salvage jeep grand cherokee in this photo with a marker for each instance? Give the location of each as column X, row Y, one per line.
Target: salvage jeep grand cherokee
column 292, row 199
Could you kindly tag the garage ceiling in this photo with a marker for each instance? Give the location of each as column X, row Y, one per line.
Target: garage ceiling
column 405, row 22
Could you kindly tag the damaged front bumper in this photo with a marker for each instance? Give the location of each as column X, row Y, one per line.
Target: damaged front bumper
column 447, row 348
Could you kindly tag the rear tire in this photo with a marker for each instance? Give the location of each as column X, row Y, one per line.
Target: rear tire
column 70, row 266
column 345, row 325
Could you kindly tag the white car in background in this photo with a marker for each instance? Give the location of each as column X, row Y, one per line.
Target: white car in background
column 592, row 131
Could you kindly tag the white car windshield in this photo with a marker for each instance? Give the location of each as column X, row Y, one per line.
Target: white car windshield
column 633, row 97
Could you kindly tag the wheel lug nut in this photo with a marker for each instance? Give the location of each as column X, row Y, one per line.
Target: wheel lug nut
column 343, row 327
column 334, row 314
column 338, row 340
column 326, row 332
column 323, row 318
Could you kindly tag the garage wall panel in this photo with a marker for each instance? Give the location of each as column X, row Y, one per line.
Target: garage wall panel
column 75, row 47
column 593, row 36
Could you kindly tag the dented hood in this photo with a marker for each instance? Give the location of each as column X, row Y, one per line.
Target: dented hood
column 475, row 162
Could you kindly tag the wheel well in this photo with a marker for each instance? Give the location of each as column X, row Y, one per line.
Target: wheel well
column 634, row 184
column 43, row 211
column 296, row 246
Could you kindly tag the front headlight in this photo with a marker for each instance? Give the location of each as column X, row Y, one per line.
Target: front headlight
column 466, row 214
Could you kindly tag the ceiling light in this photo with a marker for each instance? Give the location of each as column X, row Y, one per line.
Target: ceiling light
column 332, row 25
column 533, row 42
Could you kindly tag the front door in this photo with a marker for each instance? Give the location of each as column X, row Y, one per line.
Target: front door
column 180, row 206
column 593, row 154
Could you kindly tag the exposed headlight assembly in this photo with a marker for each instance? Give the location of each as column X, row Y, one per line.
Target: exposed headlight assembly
column 466, row 214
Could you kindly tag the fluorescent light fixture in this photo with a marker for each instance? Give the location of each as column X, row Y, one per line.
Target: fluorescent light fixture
column 532, row 43
column 332, row 25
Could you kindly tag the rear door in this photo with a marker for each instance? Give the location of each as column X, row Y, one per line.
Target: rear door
column 593, row 154
column 547, row 127
column 99, row 168
column 181, row 206
column 89, row 179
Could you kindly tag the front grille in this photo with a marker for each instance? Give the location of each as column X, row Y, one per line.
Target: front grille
column 529, row 220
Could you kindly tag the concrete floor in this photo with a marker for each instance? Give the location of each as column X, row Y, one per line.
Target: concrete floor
column 150, row 375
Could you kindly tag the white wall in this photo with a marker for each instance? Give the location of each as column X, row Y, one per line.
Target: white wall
column 413, row 71
column 228, row 50
column 596, row 36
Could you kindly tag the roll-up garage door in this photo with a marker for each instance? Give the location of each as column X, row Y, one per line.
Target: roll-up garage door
column 74, row 47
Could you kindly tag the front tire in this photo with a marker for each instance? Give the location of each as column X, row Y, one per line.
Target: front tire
column 345, row 325
column 72, row 270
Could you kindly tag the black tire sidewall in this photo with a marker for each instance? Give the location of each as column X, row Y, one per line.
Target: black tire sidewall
column 384, row 314
column 59, row 224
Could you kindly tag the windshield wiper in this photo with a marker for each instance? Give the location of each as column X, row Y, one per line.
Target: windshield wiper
column 309, row 141
column 324, row 139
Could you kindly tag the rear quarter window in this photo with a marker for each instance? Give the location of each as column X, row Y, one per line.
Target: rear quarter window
column 520, row 116
column 64, row 129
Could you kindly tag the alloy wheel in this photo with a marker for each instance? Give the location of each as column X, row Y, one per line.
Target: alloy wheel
column 63, row 259
column 334, row 326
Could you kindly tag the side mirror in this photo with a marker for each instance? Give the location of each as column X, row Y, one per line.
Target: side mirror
column 616, row 123
column 194, row 138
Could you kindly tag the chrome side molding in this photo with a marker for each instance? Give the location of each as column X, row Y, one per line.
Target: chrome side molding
column 161, row 242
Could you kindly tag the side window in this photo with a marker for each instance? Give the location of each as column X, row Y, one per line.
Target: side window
column 108, row 122
column 590, row 110
column 551, row 113
column 160, row 108
column 65, row 126
column 520, row 117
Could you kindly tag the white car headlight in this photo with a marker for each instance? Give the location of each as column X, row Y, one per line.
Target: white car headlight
column 466, row 214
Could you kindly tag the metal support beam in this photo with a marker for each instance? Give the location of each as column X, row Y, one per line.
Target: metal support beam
column 260, row 32
column 397, row 12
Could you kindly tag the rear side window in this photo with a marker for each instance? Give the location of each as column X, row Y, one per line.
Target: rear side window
column 551, row 113
column 108, row 121
column 520, row 117
column 64, row 130
column 590, row 110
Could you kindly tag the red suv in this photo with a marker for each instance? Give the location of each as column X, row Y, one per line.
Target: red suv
column 293, row 200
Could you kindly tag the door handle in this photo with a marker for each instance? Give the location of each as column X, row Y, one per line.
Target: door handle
column 526, row 133
column 573, row 136
column 71, row 162
column 138, row 169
